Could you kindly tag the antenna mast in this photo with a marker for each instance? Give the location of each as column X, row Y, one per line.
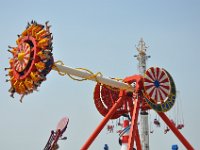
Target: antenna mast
column 142, row 57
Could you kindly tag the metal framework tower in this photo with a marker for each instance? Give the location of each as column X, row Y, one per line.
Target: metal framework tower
column 142, row 57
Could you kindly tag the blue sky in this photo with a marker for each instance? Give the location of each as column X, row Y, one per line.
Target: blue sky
column 100, row 36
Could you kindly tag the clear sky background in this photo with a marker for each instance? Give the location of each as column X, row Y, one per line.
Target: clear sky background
column 99, row 35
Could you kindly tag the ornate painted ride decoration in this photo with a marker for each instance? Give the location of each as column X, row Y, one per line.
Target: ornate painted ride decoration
column 32, row 59
column 57, row 135
column 160, row 90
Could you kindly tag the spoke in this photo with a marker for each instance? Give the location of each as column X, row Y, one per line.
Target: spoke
column 165, row 90
column 158, row 73
column 148, row 84
column 148, row 79
column 155, row 73
column 151, row 74
column 158, row 95
column 166, row 84
column 161, row 75
column 150, row 89
column 154, row 94
column 164, row 77
column 162, row 94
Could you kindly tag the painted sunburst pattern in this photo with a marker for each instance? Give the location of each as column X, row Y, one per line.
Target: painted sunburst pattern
column 22, row 57
column 31, row 60
column 157, row 84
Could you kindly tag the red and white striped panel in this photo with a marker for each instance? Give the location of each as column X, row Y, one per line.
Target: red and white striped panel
column 157, row 84
column 20, row 65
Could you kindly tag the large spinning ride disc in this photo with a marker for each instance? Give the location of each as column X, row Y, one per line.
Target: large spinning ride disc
column 104, row 98
column 157, row 84
column 32, row 59
column 159, row 89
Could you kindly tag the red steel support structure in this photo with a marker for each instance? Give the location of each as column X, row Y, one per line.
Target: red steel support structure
column 133, row 124
column 103, row 123
column 176, row 131
column 137, row 140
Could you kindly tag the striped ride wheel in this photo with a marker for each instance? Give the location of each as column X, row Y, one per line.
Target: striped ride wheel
column 32, row 59
column 104, row 98
column 157, row 85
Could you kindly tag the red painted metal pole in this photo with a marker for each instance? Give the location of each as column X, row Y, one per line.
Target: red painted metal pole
column 50, row 141
column 133, row 125
column 176, row 131
column 102, row 124
column 56, row 138
column 137, row 140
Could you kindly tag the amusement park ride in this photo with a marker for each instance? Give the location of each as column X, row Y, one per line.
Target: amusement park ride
column 56, row 135
column 132, row 97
